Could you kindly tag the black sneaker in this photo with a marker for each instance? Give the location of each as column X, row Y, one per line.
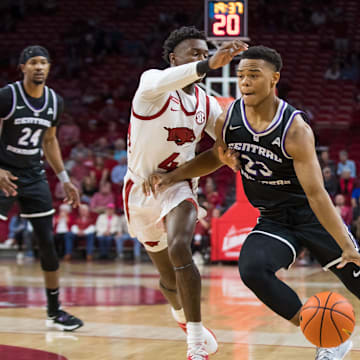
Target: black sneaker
column 63, row 321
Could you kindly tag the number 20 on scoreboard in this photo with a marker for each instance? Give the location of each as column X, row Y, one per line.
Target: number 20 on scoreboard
column 226, row 19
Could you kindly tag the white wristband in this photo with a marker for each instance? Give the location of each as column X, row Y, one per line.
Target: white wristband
column 63, row 176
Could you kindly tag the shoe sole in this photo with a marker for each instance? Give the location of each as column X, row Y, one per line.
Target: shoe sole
column 51, row 325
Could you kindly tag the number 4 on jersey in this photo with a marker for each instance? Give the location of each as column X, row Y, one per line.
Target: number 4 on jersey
column 169, row 164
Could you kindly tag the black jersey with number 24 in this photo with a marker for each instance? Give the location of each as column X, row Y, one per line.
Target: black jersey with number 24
column 22, row 130
column 267, row 170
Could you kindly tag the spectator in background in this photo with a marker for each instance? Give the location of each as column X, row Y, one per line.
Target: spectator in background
column 344, row 210
column 122, row 236
column 346, row 185
column 79, row 150
column 88, row 189
column 318, row 17
column 330, row 181
column 20, row 232
column 99, row 172
column 346, row 163
column 325, row 161
column 101, row 146
column 333, row 72
column 112, row 133
column 212, row 196
column 69, row 131
column 62, row 225
column 120, row 149
column 107, row 226
column 118, row 172
column 79, row 170
column 110, row 112
column 82, row 228
column 101, row 198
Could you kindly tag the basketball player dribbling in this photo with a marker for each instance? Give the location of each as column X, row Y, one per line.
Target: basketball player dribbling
column 29, row 113
column 269, row 141
column 169, row 115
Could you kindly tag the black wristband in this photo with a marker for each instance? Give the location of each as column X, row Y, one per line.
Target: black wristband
column 202, row 67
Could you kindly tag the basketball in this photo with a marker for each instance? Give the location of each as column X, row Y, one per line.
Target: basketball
column 327, row 319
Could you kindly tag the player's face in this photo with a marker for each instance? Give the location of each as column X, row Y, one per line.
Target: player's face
column 189, row 50
column 36, row 69
column 257, row 80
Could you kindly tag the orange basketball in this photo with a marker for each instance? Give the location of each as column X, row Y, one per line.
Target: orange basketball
column 327, row 319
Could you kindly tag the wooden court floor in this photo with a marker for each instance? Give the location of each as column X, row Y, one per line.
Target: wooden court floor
column 126, row 317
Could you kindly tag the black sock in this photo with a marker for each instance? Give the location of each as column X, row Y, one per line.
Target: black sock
column 53, row 303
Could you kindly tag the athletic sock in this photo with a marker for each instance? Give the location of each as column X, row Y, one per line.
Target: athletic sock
column 195, row 334
column 178, row 315
column 53, row 303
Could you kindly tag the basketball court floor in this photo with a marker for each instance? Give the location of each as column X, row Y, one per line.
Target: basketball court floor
column 126, row 316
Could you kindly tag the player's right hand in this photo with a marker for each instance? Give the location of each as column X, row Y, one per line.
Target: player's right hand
column 156, row 183
column 229, row 157
column 226, row 52
column 6, row 184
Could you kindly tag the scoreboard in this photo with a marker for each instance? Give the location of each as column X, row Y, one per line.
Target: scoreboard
column 226, row 20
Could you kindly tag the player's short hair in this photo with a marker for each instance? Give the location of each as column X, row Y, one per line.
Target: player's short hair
column 264, row 53
column 179, row 35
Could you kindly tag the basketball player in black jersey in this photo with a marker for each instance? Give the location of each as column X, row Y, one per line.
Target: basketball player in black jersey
column 30, row 113
column 272, row 145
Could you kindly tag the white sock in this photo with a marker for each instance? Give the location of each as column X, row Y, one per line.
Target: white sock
column 178, row 315
column 195, row 334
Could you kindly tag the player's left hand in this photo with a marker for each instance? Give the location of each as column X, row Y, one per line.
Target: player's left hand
column 72, row 194
column 156, row 182
column 349, row 255
column 229, row 157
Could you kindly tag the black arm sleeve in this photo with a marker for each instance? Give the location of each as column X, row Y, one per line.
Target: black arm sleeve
column 6, row 99
column 60, row 110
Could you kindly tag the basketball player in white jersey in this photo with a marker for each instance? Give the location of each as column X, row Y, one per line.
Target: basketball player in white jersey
column 168, row 118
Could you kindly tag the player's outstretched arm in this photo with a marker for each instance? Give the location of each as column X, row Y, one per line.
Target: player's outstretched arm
column 155, row 83
column 203, row 164
column 52, row 153
column 300, row 145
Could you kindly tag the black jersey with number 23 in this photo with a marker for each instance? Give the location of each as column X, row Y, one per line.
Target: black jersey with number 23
column 22, row 130
column 267, row 170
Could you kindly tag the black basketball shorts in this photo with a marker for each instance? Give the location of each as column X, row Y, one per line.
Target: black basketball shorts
column 34, row 198
column 299, row 228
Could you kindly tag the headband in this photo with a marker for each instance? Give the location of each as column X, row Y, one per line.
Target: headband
column 33, row 51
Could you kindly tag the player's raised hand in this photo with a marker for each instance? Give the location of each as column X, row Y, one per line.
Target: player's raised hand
column 229, row 157
column 72, row 194
column 6, row 183
column 226, row 52
column 349, row 255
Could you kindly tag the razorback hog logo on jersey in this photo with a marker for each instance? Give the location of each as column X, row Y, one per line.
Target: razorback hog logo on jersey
column 180, row 135
column 152, row 243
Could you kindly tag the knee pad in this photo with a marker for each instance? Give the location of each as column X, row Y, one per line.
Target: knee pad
column 44, row 232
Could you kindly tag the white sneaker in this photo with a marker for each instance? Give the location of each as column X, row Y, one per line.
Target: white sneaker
column 197, row 352
column 335, row 353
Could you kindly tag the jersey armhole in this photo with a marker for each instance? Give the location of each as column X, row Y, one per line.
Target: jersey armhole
column 287, row 127
column 55, row 103
column 14, row 99
column 227, row 120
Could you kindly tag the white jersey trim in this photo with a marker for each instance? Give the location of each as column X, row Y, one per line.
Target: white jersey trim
column 55, row 103
column 28, row 104
column 277, row 237
column 227, row 120
column 276, row 121
column 14, row 100
column 292, row 116
column 35, row 215
column 3, row 217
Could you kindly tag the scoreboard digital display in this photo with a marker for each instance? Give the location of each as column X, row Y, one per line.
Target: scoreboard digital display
column 225, row 20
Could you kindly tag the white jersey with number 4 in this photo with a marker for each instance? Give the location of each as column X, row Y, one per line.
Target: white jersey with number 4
column 165, row 125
